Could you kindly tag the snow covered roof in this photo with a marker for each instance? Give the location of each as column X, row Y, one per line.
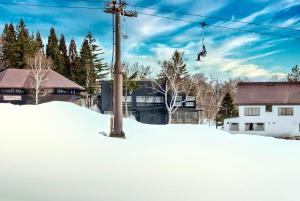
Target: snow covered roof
column 21, row 78
column 262, row 93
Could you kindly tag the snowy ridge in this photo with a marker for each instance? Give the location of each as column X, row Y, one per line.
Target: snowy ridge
column 54, row 152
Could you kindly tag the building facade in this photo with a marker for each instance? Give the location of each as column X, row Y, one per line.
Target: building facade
column 147, row 105
column 268, row 109
column 16, row 87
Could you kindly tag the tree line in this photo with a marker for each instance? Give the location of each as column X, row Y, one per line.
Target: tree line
column 177, row 85
column 85, row 67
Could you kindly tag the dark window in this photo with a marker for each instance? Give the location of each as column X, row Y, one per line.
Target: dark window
column 65, row 91
column 268, row 108
column 255, row 127
column 252, row 111
column 12, row 91
column 285, row 111
column 249, row 127
column 234, row 126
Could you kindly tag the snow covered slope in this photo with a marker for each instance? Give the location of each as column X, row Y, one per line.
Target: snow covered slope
column 54, row 152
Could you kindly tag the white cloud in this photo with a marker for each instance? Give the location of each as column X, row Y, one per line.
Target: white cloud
column 289, row 22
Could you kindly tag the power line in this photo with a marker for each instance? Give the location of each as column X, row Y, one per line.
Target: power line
column 222, row 27
column 149, row 14
column 198, row 15
column 49, row 6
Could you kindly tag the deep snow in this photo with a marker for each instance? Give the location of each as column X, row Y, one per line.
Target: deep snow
column 54, row 152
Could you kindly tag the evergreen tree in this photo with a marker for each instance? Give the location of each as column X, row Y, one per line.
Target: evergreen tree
column 23, row 47
column 87, row 75
column 33, row 46
column 65, row 63
column 294, row 76
column 52, row 51
column 175, row 65
column 74, row 62
column 9, row 45
column 227, row 110
column 3, row 63
column 39, row 42
column 92, row 65
column 99, row 66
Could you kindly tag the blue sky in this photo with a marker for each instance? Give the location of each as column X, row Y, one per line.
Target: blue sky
column 231, row 53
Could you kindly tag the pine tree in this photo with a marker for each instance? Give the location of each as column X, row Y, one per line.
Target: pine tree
column 65, row 63
column 3, row 63
column 33, row 47
column 294, row 76
column 52, row 51
column 39, row 41
column 87, row 77
column 175, row 65
column 227, row 110
column 74, row 62
column 23, row 46
column 9, row 45
column 100, row 67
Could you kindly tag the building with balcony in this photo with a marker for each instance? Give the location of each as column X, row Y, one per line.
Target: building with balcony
column 148, row 106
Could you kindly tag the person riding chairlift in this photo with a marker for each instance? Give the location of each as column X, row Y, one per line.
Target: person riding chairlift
column 202, row 53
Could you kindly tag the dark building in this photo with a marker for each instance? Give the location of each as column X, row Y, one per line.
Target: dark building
column 16, row 86
column 148, row 106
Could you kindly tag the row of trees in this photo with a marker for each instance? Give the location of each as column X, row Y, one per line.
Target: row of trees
column 177, row 84
column 85, row 67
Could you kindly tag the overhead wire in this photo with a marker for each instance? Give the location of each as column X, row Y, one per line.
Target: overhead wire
column 197, row 15
column 222, row 27
column 153, row 15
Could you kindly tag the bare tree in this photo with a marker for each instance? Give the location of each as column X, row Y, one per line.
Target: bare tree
column 200, row 89
column 40, row 66
column 88, row 84
column 175, row 91
column 129, row 82
column 132, row 74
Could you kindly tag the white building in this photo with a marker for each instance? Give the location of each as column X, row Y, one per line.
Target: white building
column 269, row 109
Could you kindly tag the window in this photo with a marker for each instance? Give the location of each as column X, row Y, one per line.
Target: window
column 73, row 91
column 129, row 99
column 178, row 101
column 150, row 99
column 190, row 98
column 234, row 127
column 61, row 91
column 140, row 99
column 259, row 126
column 268, row 108
column 285, row 111
column 252, row 111
column 12, row 91
column 249, row 127
column 178, row 104
column 189, row 104
column 159, row 99
column 255, row 127
column 179, row 98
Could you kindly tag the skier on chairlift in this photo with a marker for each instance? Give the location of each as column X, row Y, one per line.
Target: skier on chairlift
column 203, row 51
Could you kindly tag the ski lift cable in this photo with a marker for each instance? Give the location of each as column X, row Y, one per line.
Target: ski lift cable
column 218, row 26
column 149, row 14
column 198, row 15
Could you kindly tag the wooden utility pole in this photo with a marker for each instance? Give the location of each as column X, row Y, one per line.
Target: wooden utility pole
column 118, row 9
